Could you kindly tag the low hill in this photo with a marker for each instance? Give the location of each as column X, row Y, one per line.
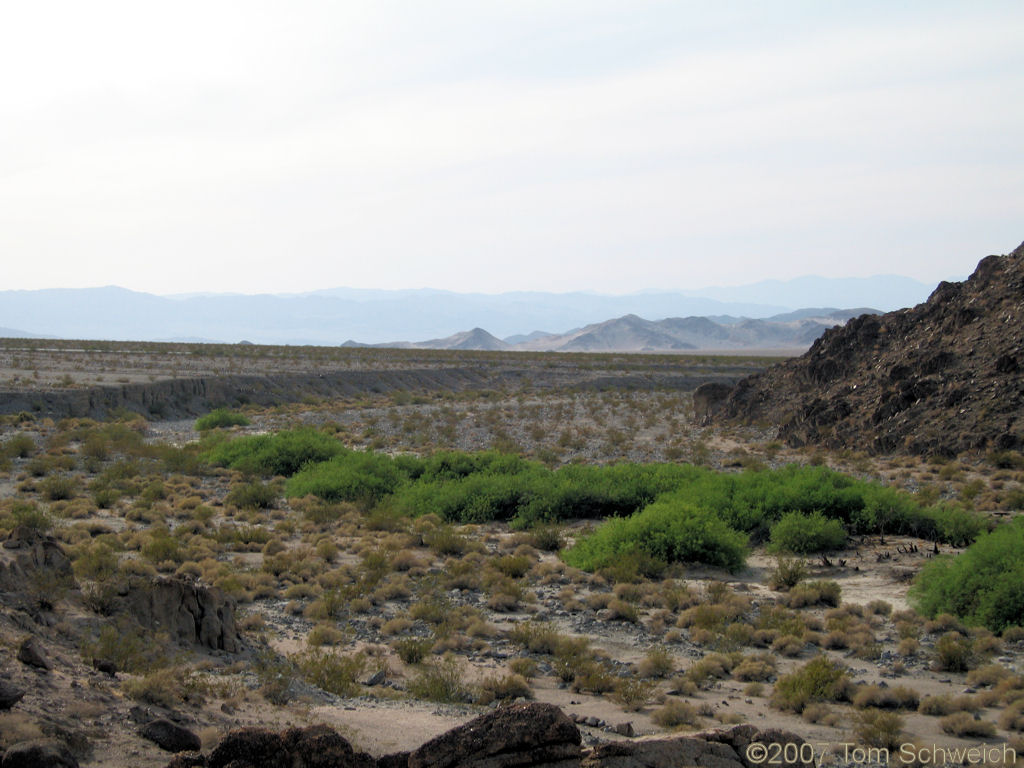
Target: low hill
column 942, row 377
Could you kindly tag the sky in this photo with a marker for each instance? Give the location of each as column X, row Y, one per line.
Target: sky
column 495, row 145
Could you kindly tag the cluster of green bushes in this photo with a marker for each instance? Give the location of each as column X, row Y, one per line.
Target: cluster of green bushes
column 663, row 512
column 983, row 586
column 219, row 418
column 283, row 453
column 667, row 531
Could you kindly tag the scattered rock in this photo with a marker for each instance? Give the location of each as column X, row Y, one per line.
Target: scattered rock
column 377, row 678
column 39, row 753
column 10, row 695
column 170, row 736
column 30, row 652
column 624, row 729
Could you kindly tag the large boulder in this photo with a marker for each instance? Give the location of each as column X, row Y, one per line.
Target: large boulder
column 190, row 613
column 170, row 736
column 10, row 694
column 39, row 753
column 314, row 747
column 530, row 734
column 31, row 653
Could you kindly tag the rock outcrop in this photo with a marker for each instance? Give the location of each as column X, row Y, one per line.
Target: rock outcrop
column 522, row 734
column 529, row 735
column 31, row 561
column 943, row 377
column 190, row 613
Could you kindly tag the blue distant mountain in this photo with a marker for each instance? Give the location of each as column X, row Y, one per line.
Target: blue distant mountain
column 374, row 316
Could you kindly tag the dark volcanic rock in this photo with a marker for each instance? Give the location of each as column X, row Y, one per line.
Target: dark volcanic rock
column 30, row 652
column 940, row 378
column 190, row 613
column 33, row 561
column 39, row 753
column 9, row 695
column 170, row 736
column 314, row 747
column 250, row 747
column 522, row 734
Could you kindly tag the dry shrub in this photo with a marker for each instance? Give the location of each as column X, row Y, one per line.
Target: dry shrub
column 988, row 675
column 325, row 634
column 523, row 666
column 676, row 714
column 953, row 653
column 1012, row 718
column 633, row 695
column 896, row 697
column 755, row 668
column 620, row 610
column 788, row 645
column 502, row 687
column 965, row 725
column 658, row 663
column 946, row 704
column 875, row 728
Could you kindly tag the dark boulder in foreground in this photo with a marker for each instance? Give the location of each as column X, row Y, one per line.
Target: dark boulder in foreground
column 39, row 753
column 941, row 378
column 530, row 735
column 522, row 734
column 170, row 736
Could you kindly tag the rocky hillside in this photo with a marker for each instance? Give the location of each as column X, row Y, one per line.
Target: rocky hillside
column 939, row 378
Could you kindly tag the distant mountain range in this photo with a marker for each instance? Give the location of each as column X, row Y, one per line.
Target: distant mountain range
column 794, row 331
column 331, row 316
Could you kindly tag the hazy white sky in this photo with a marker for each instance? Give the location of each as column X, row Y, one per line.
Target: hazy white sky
column 490, row 145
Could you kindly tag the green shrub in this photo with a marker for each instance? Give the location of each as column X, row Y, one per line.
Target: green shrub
column 354, row 476
column 983, row 586
column 221, row 417
column 820, row 679
column 668, row 531
column 283, row 453
column 801, row 534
